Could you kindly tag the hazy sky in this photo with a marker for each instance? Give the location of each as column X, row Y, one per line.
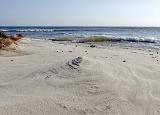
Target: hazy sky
column 80, row 12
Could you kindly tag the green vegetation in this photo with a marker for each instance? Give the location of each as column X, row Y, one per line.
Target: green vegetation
column 63, row 39
column 93, row 39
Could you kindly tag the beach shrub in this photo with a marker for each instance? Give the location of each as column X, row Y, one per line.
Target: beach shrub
column 6, row 41
column 3, row 35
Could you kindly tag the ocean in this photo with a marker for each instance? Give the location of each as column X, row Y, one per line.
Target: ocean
column 134, row 36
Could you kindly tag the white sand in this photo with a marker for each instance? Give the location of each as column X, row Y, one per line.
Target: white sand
column 36, row 80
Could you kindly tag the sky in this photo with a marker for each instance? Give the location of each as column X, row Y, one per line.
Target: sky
column 80, row 12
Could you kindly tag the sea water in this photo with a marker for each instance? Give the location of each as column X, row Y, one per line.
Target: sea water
column 146, row 36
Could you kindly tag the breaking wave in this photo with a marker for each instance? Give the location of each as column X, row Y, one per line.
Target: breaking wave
column 36, row 30
column 88, row 34
column 108, row 39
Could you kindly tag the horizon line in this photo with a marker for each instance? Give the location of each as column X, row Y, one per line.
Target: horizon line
column 73, row 26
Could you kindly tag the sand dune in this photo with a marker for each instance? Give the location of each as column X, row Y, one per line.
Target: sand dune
column 40, row 82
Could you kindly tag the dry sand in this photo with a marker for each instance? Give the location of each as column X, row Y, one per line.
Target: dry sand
column 35, row 79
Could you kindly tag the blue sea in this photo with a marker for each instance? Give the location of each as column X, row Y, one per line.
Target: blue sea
column 146, row 36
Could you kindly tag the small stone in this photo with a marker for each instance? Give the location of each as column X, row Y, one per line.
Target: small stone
column 77, row 61
column 64, row 107
column 124, row 60
column 92, row 46
column 46, row 77
column 108, row 107
column 150, row 50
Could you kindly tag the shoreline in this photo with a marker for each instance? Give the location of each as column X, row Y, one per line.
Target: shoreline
column 36, row 79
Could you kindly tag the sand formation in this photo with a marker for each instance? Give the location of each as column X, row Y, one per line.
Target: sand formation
column 7, row 41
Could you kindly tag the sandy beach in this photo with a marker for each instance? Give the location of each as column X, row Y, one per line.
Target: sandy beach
column 38, row 77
